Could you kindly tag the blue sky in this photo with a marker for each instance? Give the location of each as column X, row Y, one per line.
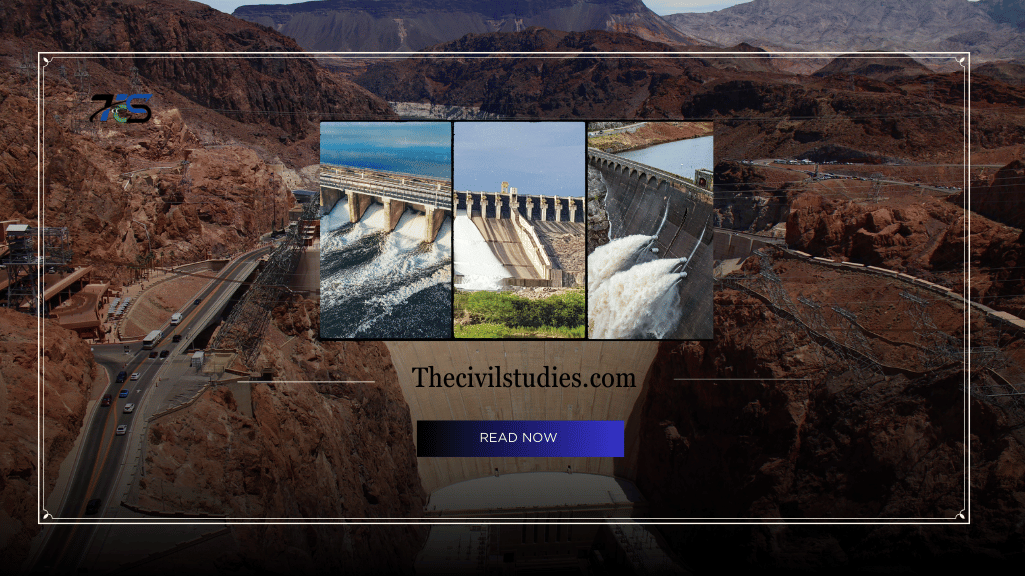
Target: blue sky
column 534, row 157
column 662, row 7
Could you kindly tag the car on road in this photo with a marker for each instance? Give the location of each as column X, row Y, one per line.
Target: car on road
column 121, row 430
column 164, row 354
column 121, row 377
column 153, row 354
column 198, row 300
column 93, row 506
column 129, row 408
column 176, row 338
column 106, row 400
column 124, row 393
column 135, row 376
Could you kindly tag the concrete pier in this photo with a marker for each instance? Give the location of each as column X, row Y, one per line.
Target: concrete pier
column 396, row 191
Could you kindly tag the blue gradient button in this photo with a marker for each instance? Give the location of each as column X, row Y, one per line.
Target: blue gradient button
column 519, row 438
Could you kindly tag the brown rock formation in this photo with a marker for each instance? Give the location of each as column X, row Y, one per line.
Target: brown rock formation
column 920, row 235
column 840, row 444
column 1003, row 198
column 309, row 450
column 69, row 376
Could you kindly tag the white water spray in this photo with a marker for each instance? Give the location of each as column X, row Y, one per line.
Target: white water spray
column 473, row 258
column 394, row 274
column 642, row 302
column 614, row 257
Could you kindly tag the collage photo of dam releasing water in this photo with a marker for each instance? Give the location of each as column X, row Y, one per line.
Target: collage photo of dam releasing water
column 516, row 230
column 386, row 232
column 650, row 204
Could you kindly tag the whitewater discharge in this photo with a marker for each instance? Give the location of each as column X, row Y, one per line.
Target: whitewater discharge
column 616, row 256
column 379, row 284
column 641, row 302
column 473, row 258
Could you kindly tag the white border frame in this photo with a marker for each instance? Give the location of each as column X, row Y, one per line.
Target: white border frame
column 962, row 518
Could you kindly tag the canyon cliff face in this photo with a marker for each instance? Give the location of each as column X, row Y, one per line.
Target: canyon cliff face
column 69, row 377
column 1003, row 197
column 290, row 94
column 274, row 104
column 752, row 200
column 835, row 442
column 405, row 25
column 922, row 236
column 308, row 450
column 759, row 111
column 258, row 116
column 122, row 197
column 548, row 87
column 985, row 28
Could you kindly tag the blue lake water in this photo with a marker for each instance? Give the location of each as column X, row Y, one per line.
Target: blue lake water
column 422, row 148
column 681, row 157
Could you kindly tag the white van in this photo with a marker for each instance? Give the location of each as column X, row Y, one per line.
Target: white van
column 176, row 319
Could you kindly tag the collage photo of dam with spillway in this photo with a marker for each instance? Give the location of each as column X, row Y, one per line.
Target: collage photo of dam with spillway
column 650, row 225
column 516, row 230
column 386, row 230
column 519, row 230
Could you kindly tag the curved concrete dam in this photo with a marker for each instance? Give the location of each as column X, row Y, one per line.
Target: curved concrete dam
column 678, row 215
column 499, row 403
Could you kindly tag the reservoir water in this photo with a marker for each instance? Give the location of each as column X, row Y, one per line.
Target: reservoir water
column 681, row 157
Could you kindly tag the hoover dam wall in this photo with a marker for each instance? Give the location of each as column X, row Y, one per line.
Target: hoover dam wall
column 583, row 403
column 637, row 199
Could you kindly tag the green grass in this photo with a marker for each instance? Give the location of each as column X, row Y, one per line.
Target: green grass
column 500, row 331
column 482, row 331
column 505, row 315
column 566, row 310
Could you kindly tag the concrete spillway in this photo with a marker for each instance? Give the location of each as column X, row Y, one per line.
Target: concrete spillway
column 505, row 244
column 649, row 202
column 519, row 231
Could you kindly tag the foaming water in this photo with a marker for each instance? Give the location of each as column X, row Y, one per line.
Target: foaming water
column 337, row 217
column 616, row 256
column 642, row 302
column 384, row 285
column 473, row 258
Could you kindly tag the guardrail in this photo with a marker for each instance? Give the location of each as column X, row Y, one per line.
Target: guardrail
column 674, row 179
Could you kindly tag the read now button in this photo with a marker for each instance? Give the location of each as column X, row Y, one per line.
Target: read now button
column 520, row 438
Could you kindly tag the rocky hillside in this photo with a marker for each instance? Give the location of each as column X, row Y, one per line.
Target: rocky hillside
column 551, row 88
column 987, row 28
column 102, row 177
column 389, row 25
column 840, row 444
column 299, row 450
column 1003, row 198
column 888, row 68
column 289, row 94
column 69, row 377
column 922, row 236
column 758, row 112
column 1011, row 72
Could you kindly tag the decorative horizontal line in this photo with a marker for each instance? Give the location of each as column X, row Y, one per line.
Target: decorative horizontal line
column 307, row 381
column 754, row 379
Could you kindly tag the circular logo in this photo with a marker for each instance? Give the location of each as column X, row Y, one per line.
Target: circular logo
column 120, row 113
